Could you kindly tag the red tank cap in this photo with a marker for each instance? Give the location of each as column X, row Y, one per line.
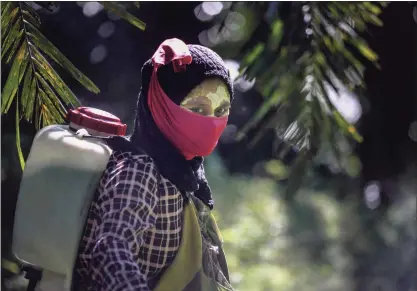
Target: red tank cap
column 98, row 120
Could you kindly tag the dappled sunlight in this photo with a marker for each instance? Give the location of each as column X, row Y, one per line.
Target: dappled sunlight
column 98, row 54
column 345, row 101
column 372, row 194
column 234, row 28
column 90, row 9
column 106, row 29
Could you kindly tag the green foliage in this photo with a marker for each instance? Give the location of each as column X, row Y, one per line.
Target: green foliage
column 121, row 12
column 317, row 241
column 37, row 89
column 311, row 48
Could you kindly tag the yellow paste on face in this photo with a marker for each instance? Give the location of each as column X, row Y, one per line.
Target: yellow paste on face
column 210, row 98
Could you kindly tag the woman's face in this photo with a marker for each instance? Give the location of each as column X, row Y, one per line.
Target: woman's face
column 210, row 98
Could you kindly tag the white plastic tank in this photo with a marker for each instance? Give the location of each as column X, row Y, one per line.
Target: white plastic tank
column 61, row 175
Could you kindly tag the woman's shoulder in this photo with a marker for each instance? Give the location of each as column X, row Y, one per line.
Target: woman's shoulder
column 131, row 166
column 134, row 167
column 131, row 157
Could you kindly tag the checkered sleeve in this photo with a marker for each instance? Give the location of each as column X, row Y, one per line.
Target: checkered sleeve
column 127, row 208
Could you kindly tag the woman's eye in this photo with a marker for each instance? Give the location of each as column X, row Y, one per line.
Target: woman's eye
column 221, row 111
column 197, row 110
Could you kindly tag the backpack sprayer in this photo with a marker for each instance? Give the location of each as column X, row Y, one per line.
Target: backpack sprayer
column 61, row 175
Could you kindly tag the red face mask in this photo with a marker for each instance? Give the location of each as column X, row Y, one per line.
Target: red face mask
column 192, row 134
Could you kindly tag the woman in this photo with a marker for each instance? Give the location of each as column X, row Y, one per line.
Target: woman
column 150, row 226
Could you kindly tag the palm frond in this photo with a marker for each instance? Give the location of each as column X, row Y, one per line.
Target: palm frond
column 121, row 12
column 32, row 83
column 42, row 43
column 311, row 47
column 39, row 92
column 25, row 45
column 18, row 144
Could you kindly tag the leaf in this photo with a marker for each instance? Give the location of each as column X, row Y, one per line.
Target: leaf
column 52, row 96
column 372, row 8
column 8, row 20
column 259, row 114
column 5, row 7
column 46, row 46
column 325, row 79
column 276, row 34
column 13, row 37
column 54, row 79
column 43, row 113
column 29, row 9
column 6, row 10
column 253, row 55
column 42, row 88
column 373, row 19
column 31, row 99
column 51, row 113
column 18, row 145
column 26, row 88
column 346, row 126
column 119, row 11
column 13, row 79
column 366, row 51
column 38, row 117
column 328, row 42
column 18, row 42
column 31, row 19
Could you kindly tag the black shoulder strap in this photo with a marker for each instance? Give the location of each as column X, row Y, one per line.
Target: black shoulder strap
column 123, row 144
column 119, row 143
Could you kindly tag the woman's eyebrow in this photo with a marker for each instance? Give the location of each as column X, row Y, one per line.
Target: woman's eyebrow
column 200, row 100
column 225, row 104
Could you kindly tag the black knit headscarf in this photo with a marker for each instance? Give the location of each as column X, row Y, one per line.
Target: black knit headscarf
column 188, row 176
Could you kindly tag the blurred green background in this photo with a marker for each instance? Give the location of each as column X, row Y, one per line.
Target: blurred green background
column 316, row 241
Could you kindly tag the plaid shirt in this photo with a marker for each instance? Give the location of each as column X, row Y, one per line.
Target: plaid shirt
column 134, row 225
